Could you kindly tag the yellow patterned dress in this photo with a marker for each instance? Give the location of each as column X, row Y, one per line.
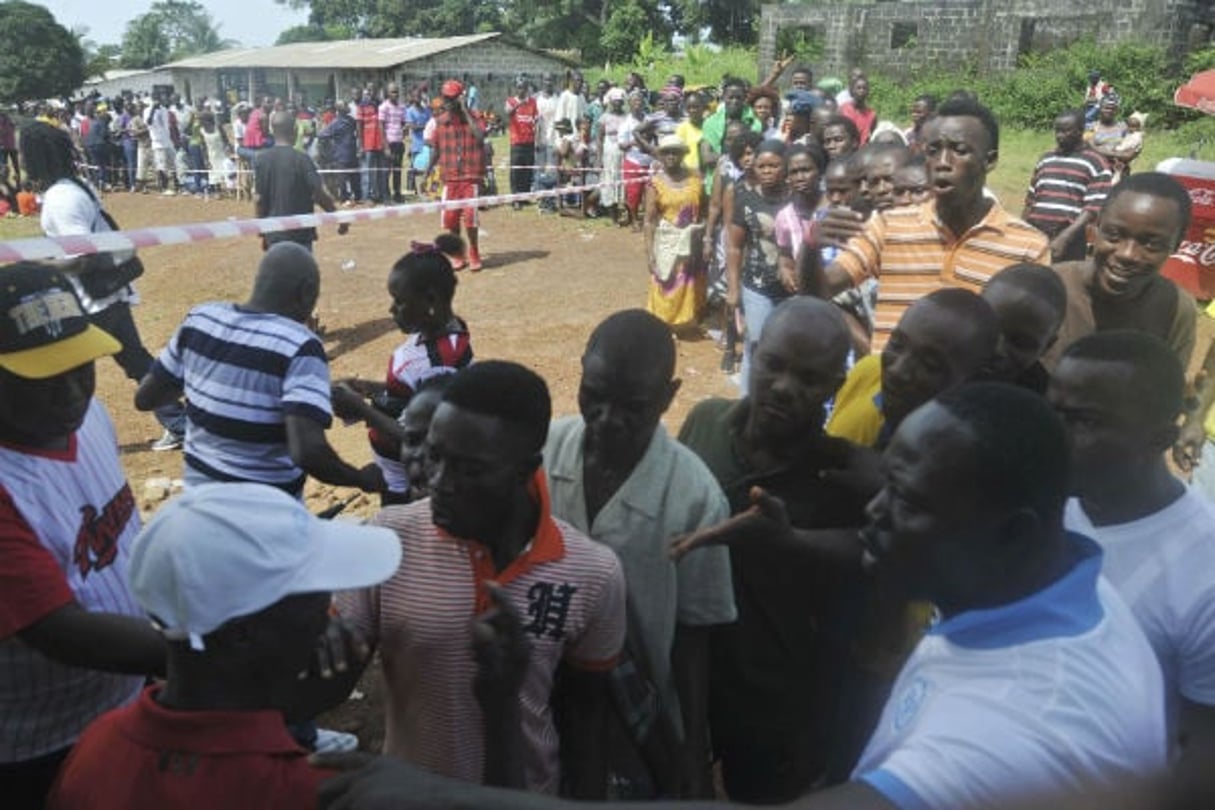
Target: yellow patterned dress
column 677, row 281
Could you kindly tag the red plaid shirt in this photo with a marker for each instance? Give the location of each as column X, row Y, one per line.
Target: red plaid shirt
column 461, row 156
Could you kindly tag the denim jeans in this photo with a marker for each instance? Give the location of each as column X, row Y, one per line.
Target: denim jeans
column 756, row 309
column 198, row 177
column 135, row 360
column 374, row 181
column 130, row 150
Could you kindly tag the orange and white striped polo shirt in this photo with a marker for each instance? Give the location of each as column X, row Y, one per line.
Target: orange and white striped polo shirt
column 569, row 592
column 913, row 253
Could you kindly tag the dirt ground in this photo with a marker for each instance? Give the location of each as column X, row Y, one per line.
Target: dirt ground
column 547, row 282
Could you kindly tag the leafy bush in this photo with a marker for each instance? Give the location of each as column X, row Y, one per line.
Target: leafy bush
column 699, row 64
column 1045, row 84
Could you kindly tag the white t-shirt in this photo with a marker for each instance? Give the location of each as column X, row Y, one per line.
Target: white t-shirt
column 1163, row 567
column 546, row 116
column 158, row 126
column 571, row 106
column 1054, row 694
column 68, row 210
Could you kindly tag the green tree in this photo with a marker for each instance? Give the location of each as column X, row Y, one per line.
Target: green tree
column 144, row 44
column 624, row 28
column 309, row 32
column 564, row 24
column 730, row 22
column 400, row 18
column 39, row 58
column 170, row 30
column 98, row 59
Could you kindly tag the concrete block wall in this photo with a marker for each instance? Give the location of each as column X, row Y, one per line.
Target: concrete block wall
column 491, row 65
column 982, row 33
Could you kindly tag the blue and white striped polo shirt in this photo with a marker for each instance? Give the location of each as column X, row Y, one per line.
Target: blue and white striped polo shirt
column 243, row 372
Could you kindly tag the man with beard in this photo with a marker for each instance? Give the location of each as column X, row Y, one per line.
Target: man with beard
column 615, row 474
column 773, row 682
column 1120, row 287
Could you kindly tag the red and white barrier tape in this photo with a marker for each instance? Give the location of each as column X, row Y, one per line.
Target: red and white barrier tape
column 402, row 168
column 63, row 247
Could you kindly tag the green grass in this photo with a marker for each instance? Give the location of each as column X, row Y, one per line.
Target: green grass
column 19, row 227
column 1020, row 150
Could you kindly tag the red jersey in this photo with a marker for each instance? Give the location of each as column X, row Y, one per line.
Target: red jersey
column 369, row 128
column 864, row 119
column 522, row 115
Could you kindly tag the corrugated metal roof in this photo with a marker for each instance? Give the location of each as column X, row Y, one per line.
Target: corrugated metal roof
column 346, row 53
column 118, row 73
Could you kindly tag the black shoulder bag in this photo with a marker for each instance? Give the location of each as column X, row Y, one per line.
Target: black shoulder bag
column 102, row 276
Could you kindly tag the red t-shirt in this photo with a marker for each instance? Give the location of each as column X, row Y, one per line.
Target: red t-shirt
column 369, row 125
column 522, row 116
column 147, row 756
column 864, row 119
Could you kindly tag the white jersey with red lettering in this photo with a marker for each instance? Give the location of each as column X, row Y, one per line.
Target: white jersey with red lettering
column 67, row 520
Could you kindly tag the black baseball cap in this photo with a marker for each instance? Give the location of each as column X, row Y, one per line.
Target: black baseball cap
column 43, row 328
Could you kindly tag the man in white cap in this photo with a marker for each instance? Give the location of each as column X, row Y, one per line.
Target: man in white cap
column 71, row 633
column 251, row 644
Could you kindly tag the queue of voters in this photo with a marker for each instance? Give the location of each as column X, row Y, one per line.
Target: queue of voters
column 943, row 550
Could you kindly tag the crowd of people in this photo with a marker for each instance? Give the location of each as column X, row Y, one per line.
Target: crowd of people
column 934, row 556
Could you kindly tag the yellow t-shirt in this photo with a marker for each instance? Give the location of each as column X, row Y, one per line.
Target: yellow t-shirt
column 691, row 136
column 857, row 415
column 890, row 630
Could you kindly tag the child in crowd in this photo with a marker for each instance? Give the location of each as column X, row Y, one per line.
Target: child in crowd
column 911, row 186
column 422, row 284
column 841, row 182
column 414, row 424
column 27, row 201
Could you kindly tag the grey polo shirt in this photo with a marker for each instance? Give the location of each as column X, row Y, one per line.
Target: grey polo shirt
column 671, row 492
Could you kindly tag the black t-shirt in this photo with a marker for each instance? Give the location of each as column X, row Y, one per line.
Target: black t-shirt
column 776, row 667
column 286, row 182
column 757, row 213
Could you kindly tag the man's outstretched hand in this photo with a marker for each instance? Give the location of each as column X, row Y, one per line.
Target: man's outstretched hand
column 766, row 520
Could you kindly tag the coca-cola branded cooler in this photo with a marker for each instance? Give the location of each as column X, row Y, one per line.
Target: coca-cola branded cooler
column 1193, row 265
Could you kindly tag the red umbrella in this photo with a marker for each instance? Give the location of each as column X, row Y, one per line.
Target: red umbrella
column 1198, row 93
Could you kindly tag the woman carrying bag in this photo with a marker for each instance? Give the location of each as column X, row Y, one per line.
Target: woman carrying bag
column 101, row 280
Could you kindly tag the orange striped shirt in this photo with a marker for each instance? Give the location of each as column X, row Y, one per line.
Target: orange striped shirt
column 567, row 589
column 913, row 253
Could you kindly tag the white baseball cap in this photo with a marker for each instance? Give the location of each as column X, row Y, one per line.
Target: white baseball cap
column 220, row 551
